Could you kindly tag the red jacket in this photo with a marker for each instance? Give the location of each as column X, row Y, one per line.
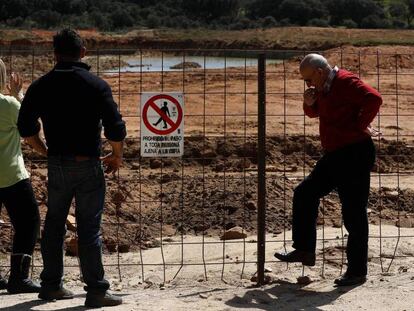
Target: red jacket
column 345, row 112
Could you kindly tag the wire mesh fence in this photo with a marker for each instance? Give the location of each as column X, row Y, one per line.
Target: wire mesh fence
column 188, row 203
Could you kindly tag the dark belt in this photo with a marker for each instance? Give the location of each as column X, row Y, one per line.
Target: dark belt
column 84, row 158
column 77, row 158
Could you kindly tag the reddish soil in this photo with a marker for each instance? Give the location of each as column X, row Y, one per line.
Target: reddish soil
column 187, row 197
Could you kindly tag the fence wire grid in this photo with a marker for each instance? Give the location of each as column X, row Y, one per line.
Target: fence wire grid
column 237, row 114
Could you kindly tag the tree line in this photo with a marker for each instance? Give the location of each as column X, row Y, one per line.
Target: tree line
column 110, row 15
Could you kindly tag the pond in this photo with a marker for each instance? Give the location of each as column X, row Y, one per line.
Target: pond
column 169, row 63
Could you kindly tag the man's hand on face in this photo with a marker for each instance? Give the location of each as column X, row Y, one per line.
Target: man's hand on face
column 309, row 97
column 111, row 162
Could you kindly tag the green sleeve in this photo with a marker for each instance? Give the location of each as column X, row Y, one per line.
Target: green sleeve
column 14, row 106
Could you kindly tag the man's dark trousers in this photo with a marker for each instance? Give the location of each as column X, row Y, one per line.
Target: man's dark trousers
column 84, row 181
column 348, row 171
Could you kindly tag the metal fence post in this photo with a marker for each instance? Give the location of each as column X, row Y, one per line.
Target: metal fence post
column 261, row 174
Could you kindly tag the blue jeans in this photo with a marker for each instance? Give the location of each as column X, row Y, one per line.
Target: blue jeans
column 85, row 181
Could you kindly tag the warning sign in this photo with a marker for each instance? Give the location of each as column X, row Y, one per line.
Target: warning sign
column 162, row 124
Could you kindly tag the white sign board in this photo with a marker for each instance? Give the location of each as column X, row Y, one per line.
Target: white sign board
column 162, row 124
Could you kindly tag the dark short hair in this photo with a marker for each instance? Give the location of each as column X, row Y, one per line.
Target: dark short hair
column 67, row 42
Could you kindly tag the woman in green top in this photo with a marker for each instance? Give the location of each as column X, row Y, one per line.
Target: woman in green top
column 16, row 192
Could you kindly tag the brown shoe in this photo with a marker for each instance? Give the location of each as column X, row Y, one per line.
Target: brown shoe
column 306, row 258
column 348, row 280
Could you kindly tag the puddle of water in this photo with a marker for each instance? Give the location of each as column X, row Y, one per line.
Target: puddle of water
column 158, row 63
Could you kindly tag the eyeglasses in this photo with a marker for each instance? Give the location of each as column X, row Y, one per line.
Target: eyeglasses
column 311, row 76
column 309, row 80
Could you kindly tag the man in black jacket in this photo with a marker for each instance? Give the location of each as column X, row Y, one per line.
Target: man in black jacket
column 73, row 105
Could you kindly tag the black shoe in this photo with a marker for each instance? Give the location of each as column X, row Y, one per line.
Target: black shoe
column 348, row 279
column 22, row 286
column 306, row 258
column 3, row 283
column 19, row 281
column 97, row 300
column 57, row 294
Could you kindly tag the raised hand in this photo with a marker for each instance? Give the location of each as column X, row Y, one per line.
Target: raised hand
column 15, row 86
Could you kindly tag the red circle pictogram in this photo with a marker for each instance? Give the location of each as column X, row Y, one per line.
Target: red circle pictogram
column 151, row 103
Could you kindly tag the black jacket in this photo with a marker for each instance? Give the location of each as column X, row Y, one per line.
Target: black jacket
column 72, row 104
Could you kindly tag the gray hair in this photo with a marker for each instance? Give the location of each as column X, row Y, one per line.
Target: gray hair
column 3, row 76
column 315, row 61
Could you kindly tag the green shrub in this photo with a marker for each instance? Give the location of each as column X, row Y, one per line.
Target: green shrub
column 349, row 23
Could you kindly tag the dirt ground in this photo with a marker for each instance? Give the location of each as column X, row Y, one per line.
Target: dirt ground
column 199, row 288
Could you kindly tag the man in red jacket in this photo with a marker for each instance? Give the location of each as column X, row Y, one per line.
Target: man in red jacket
column 345, row 106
